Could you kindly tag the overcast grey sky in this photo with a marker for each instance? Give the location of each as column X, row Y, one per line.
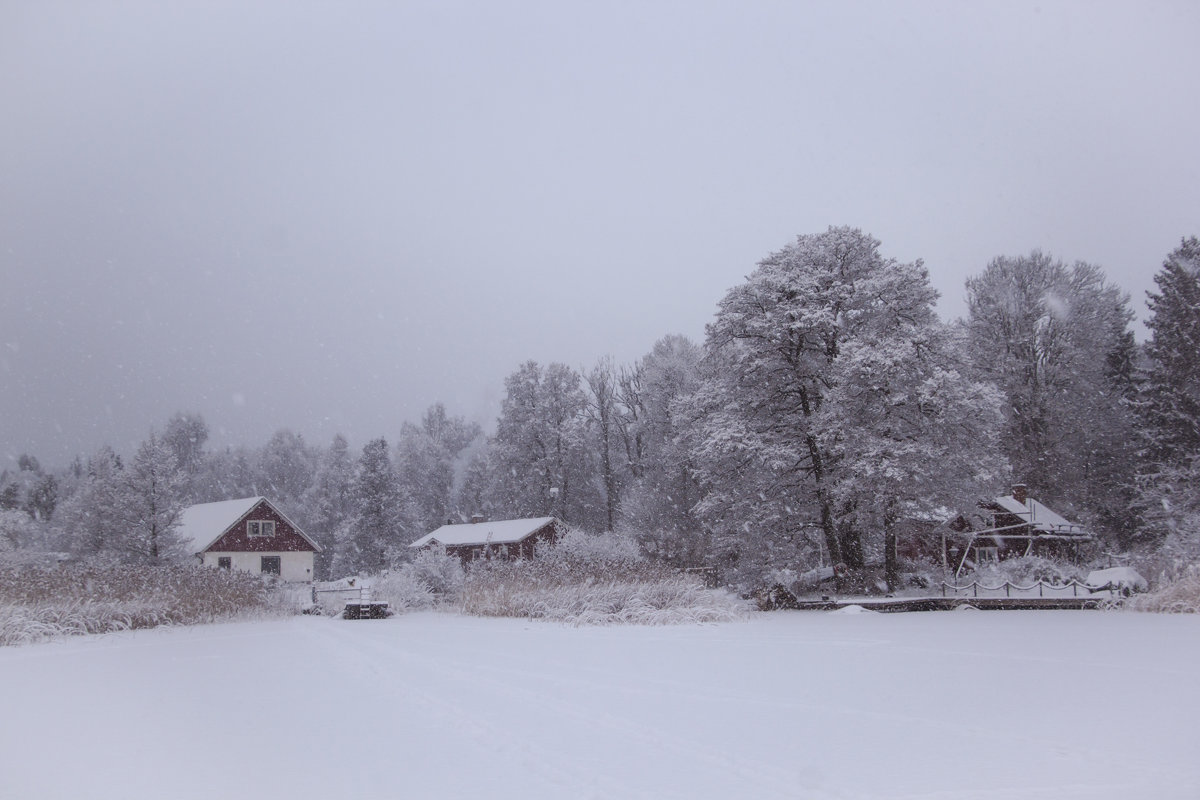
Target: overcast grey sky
column 328, row 216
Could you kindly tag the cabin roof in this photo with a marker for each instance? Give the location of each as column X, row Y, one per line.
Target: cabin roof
column 1039, row 517
column 503, row 531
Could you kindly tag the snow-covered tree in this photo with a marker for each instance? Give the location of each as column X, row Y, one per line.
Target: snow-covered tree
column 149, row 504
column 382, row 524
column 42, row 498
column 603, row 413
column 1055, row 339
column 911, row 437
column 90, row 521
column 185, row 434
column 539, row 460
column 1170, row 396
column 18, row 532
column 287, row 465
column 227, row 474
column 428, row 460
column 785, row 345
column 328, row 502
column 1168, row 406
column 657, row 507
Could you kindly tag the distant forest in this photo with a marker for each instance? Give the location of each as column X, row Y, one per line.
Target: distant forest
column 826, row 405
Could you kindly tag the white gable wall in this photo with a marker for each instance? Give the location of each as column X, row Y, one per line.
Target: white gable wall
column 293, row 565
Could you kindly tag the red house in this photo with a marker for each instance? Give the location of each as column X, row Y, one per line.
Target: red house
column 507, row 538
column 251, row 535
column 1015, row 525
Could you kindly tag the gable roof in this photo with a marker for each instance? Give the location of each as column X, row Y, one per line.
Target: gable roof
column 503, row 531
column 202, row 524
column 1040, row 517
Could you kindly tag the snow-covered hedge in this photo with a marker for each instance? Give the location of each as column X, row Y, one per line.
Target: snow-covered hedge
column 593, row 580
column 36, row 604
column 665, row 601
column 1181, row 596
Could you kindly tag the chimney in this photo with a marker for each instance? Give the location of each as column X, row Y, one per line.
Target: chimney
column 1020, row 493
column 478, row 518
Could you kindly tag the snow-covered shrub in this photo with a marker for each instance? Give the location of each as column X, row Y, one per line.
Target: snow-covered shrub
column 1181, row 596
column 596, row 554
column 36, row 603
column 402, row 589
column 431, row 578
column 440, row 573
column 1026, row 571
column 593, row 580
column 667, row 601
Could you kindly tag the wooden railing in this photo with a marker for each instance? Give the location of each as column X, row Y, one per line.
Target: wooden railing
column 1043, row 589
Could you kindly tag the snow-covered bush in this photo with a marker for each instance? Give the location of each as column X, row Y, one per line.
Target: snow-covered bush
column 1026, row 571
column 666, row 601
column 430, row 579
column 596, row 554
column 402, row 589
column 440, row 573
column 593, row 580
column 1181, row 596
column 36, row 603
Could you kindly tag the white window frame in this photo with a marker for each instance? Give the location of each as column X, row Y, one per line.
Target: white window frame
column 987, row 554
column 260, row 528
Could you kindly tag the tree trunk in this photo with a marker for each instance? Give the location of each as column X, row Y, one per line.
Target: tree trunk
column 891, row 561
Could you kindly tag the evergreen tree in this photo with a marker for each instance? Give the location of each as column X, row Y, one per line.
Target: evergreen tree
column 328, row 503
column 1055, row 339
column 90, row 521
column 382, row 524
column 1170, row 397
column 1168, row 406
column 148, row 505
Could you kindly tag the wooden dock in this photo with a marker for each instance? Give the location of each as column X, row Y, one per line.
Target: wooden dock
column 898, row 604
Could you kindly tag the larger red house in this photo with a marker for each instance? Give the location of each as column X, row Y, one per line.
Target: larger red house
column 249, row 534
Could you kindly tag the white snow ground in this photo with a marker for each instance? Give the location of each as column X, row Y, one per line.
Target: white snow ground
column 788, row 705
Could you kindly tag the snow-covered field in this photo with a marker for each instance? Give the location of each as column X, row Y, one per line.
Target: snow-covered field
column 948, row 705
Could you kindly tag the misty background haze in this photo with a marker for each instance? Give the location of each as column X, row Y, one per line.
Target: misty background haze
column 328, row 217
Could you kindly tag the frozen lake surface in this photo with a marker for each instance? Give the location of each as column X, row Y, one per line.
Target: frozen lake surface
column 955, row 705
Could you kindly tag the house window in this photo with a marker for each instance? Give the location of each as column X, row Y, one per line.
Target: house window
column 260, row 527
column 224, row 562
column 270, row 565
column 983, row 554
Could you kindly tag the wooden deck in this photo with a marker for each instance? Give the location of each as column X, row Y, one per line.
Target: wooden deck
column 897, row 604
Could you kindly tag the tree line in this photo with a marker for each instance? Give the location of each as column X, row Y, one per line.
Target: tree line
column 826, row 406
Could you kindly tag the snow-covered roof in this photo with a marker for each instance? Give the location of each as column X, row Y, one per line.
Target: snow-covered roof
column 1039, row 517
column 503, row 531
column 201, row 525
